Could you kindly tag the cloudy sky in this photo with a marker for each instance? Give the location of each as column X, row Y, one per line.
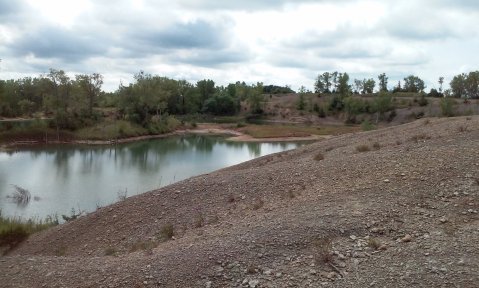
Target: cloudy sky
column 272, row 41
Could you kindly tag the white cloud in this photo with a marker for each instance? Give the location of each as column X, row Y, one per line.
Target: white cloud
column 275, row 42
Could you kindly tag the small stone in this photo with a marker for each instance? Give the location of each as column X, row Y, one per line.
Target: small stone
column 279, row 274
column 353, row 237
column 208, row 284
column 253, row 283
column 383, row 247
column 443, row 220
column 145, row 282
column 386, row 181
column 313, row 272
column 331, row 275
column 267, row 272
column 406, row 238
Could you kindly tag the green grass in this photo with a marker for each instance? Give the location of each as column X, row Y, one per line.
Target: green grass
column 277, row 131
column 111, row 130
column 15, row 230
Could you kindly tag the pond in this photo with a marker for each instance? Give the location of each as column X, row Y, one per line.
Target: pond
column 81, row 178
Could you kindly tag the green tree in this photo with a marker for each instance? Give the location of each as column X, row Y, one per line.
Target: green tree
column 206, row 89
column 441, row 81
column 368, row 85
column 323, row 83
column 301, row 101
column 383, row 82
column 255, row 98
column 343, row 87
column 91, row 87
column 413, row 84
column 358, row 85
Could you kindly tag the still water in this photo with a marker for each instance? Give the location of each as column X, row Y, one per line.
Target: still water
column 60, row 179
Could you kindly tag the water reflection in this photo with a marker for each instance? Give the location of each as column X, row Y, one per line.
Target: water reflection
column 83, row 177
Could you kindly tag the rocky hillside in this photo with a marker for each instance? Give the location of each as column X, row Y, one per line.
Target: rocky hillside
column 396, row 207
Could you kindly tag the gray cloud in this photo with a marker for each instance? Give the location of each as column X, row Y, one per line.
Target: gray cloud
column 56, row 42
column 199, row 34
column 216, row 59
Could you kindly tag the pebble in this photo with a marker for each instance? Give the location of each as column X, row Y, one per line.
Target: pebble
column 386, row 181
column 406, row 238
column 443, row 220
column 208, row 284
column 253, row 283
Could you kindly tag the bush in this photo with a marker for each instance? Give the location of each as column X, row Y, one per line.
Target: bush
column 363, row 148
column 447, row 106
column 166, row 232
column 319, row 156
column 323, row 250
column 367, row 126
column 422, row 100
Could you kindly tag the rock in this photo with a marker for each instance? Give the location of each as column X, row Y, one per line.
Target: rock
column 253, row 283
column 331, row 275
column 386, row 181
column 443, row 219
column 279, row 274
column 313, row 272
column 353, row 237
column 208, row 284
column 267, row 272
column 406, row 238
column 383, row 247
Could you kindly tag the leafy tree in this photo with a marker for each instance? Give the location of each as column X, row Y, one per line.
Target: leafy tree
column 301, row 103
column 368, row 85
column 413, row 84
column 91, row 87
column 358, row 85
column 323, row 83
column 441, row 81
column 255, row 98
column 206, row 89
column 383, row 82
column 343, row 87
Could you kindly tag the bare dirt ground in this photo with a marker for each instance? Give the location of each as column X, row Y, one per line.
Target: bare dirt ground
column 402, row 213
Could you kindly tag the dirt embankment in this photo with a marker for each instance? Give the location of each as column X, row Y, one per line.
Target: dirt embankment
column 396, row 207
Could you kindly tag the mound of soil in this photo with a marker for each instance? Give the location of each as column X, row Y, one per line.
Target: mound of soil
column 395, row 207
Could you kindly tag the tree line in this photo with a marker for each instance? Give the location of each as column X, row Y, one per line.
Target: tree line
column 70, row 102
column 461, row 86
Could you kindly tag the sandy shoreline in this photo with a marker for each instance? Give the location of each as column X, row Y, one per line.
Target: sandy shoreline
column 235, row 136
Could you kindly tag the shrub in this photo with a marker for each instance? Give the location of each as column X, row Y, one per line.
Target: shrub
column 447, row 106
column 323, row 250
column 376, row 146
column 110, row 251
column 374, row 243
column 367, row 126
column 422, row 100
column 144, row 245
column 166, row 232
column 319, row 156
column 362, row 148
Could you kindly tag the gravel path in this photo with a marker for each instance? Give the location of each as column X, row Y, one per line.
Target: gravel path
column 403, row 214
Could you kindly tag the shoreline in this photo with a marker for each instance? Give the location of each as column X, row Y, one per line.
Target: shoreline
column 235, row 136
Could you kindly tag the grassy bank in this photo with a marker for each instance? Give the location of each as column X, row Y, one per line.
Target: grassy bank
column 15, row 230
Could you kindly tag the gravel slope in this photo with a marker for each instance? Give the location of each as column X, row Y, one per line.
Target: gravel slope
column 402, row 214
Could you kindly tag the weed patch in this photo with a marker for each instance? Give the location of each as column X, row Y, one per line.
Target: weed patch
column 166, row 232
column 323, row 250
column 319, row 156
column 362, row 148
